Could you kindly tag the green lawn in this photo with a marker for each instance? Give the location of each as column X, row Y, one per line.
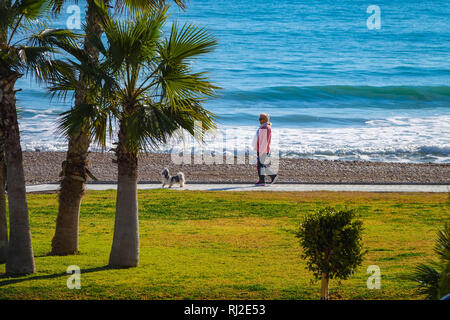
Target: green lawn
column 228, row 245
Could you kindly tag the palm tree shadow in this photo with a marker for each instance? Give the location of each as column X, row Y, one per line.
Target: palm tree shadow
column 43, row 255
column 12, row 280
column 230, row 188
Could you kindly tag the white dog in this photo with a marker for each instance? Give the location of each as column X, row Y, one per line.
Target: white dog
column 170, row 180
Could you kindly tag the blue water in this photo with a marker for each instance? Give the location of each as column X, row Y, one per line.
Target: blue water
column 334, row 88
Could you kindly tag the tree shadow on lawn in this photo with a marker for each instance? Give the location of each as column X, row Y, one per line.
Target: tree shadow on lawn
column 14, row 280
column 230, row 188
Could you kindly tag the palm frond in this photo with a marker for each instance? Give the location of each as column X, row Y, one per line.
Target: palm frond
column 178, row 83
column 136, row 7
column 442, row 247
column 427, row 276
column 56, row 5
column 8, row 15
column 134, row 41
column 175, row 77
column 26, row 47
column 63, row 77
column 188, row 42
column 32, row 9
column 149, row 125
column 86, row 117
column 55, row 37
column 153, row 123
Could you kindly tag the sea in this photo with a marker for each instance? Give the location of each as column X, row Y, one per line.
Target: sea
column 341, row 80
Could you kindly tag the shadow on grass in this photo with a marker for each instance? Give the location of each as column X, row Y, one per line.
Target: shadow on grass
column 14, row 280
column 229, row 188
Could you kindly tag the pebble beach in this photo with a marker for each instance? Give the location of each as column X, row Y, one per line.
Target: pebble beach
column 44, row 167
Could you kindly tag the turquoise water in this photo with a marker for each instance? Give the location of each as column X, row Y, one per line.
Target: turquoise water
column 334, row 88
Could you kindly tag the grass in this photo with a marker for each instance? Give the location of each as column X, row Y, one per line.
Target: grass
column 228, row 245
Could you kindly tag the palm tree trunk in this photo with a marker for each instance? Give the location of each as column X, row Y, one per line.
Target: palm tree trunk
column 125, row 247
column 324, row 289
column 65, row 240
column 3, row 225
column 20, row 258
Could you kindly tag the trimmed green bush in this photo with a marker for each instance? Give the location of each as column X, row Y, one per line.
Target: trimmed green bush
column 331, row 241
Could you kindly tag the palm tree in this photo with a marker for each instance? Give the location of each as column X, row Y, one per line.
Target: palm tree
column 75, row 170
column 18, row 19
column 434, row 278
column 3, row 225
column 152, row 93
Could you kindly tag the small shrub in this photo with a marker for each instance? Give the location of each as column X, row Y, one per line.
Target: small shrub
column 331, row 241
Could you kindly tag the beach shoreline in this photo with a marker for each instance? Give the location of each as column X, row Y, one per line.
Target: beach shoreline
column 44, row 167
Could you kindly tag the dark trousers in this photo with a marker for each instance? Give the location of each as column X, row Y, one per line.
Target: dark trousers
column 262, row 165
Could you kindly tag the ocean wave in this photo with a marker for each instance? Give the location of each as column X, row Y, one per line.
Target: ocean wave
column 294, row 119
column 321, row 93
column 397, row 139
column 378, row 143
column 416, row 140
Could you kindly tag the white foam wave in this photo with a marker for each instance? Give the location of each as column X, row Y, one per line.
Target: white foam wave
column 398, row 139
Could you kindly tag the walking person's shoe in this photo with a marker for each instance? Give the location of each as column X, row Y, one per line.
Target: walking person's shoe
column 274, row 179
column 260, row 183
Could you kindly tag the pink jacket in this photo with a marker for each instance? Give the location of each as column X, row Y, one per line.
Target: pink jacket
column 263, row 138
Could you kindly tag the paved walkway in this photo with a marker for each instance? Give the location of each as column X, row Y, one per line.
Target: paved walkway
column 276, row 187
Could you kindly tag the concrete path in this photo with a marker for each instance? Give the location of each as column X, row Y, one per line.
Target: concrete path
column 276, row 187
